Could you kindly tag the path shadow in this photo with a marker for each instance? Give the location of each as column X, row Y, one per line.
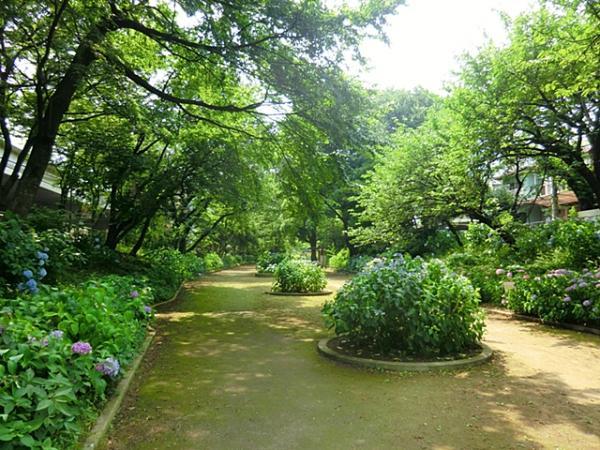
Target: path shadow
column 235, row 369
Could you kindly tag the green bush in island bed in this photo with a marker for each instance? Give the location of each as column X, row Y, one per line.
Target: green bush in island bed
column 267, row 262
column 408, row 306
column 298, row 276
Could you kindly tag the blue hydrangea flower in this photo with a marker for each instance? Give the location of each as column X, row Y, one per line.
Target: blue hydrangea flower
column 587, row 303
column 147, row 309
column 57, row 334
column 110, row 366
column 31, row 284
column 42, row 256
column 28, row 274
column 42, row 272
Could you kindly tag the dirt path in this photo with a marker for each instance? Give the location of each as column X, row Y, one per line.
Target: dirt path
column 233, row 368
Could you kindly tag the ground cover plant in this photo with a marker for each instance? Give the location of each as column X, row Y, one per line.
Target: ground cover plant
column 61, row 353
column 406, row 304
column 298, row 276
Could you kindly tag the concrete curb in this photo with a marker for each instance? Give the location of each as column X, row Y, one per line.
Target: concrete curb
column 566, row 326
column 399, row 366
column 100, row 429
column 172, row 299
column 299, row 294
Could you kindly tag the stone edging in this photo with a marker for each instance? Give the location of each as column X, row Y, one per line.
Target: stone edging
column 172, row 298
column 299, row 294
column 400, row 366
column 567, row 326
column 103, row 422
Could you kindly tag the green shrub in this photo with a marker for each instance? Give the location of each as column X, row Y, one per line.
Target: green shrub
column 267, row 262
column 407, row 305
column 358, row 263
column 231, row 260
column 481, row 272
column 60, row 351
column 299, row 276
column 163, row 270
column 558, row 296
column 18, row 252
column 340, row 260
column 212, row 262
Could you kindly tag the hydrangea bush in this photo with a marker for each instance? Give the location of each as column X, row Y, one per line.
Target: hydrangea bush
column 408, row 305
column 267, row 262
column 560, row 295
column 299, row 276
column 60, row 351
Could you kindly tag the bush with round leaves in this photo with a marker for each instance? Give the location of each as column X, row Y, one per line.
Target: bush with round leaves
column 298, row 276
column 409, row 306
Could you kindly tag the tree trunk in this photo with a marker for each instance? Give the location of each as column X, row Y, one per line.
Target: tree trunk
column 312, row 239
column 138, row 244
column 47, row 126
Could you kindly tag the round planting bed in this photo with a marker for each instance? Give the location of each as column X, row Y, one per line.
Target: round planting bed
column 299, row 294
column 325, row 348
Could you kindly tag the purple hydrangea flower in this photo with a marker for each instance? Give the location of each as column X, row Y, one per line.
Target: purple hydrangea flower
column 509, row 275
column 500, row 271
column 57, row 334
column 526, row 277
column 81, row 348
column 134, row 294
column 567, row 299
column 110, row 366
column 28, row 274
column 147, row 309
column 571, row 288
column 583, row 284
column 587, row 303
column 44, row 342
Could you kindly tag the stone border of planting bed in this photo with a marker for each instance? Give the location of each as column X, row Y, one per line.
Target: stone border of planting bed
column 103, row 422
column 299, row 294
column 401, row 366
column 566, row 326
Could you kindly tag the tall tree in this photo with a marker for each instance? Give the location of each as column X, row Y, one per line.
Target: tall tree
column 49, row 49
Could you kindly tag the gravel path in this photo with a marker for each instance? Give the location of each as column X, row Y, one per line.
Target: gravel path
column 233, row 368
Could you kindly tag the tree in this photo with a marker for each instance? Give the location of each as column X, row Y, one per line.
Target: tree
column 51, row 51
column 539, row 97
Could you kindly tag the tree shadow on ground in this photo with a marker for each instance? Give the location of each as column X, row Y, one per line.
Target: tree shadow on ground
column 232, row 368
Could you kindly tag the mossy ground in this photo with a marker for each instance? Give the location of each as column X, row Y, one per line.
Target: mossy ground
column 234, row 368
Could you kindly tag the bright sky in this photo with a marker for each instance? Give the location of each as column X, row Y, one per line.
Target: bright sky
column 427, row 36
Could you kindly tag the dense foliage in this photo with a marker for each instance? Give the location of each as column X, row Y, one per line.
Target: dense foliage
column 298, row 276
column 61, row 352
column 558, row 296
column 267, row 261
column 409, row 305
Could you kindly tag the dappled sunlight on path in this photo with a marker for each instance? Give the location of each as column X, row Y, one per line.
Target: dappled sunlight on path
column 234, row 368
